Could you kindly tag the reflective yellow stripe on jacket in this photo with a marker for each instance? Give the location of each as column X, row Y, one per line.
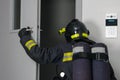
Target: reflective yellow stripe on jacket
column 29, row 44
column 67, row 56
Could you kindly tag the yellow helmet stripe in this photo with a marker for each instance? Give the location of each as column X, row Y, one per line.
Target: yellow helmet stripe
column 85, row 35
column 30, row 43
column 75, row 36
column 62, row 30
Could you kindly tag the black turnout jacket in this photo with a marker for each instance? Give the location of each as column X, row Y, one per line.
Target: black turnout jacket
column 52, row 55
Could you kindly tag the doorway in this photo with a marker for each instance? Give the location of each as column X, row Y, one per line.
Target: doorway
column 54, row 15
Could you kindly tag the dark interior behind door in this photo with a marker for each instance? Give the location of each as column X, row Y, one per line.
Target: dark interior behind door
column 54, row 15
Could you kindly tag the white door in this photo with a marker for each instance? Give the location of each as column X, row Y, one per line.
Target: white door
column 29, row 18
column 14, row 62
column 29, row 15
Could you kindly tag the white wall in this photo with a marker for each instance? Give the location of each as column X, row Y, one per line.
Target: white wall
column 14, row 62
column 78, row 9
column 93, row 15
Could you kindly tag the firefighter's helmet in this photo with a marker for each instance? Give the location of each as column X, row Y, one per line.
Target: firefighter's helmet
column 76, row 30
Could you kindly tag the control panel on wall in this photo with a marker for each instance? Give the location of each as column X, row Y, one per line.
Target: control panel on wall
column 111, row 23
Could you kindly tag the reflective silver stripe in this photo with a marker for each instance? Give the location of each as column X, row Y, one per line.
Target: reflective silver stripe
column 78, row 49
column 98, row 49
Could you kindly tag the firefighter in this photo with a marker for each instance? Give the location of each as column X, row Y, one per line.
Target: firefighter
column 62, row 54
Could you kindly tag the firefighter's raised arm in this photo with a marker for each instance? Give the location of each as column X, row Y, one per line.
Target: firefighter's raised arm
column 40, row 55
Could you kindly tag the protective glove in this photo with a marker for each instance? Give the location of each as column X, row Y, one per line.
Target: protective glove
column 24, row 32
